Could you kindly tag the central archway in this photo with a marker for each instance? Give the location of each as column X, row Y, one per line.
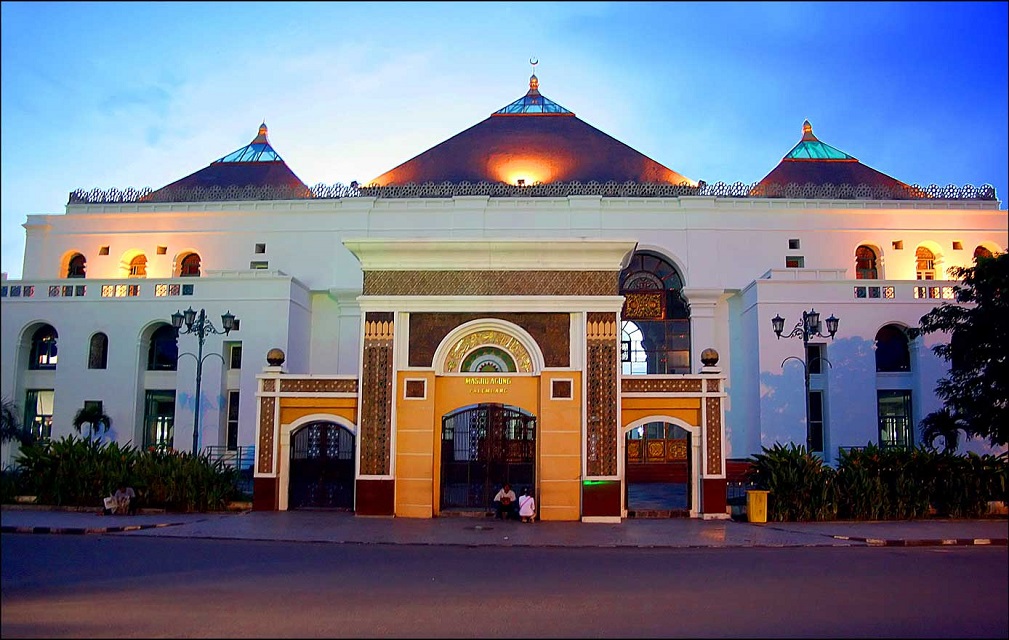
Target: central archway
column 483, row 447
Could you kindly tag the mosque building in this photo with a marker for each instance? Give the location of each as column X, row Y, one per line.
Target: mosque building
column 530, row 301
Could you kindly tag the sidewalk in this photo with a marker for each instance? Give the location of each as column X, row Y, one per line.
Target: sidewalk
column 346, row 528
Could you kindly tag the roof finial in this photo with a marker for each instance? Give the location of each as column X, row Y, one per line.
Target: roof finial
column 807, row 131
column 534, row 82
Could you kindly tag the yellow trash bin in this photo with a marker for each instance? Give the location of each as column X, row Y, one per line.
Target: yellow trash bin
column 756, row 505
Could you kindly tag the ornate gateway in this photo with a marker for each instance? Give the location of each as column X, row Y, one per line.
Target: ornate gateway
column 322, row 467
column 483, row 447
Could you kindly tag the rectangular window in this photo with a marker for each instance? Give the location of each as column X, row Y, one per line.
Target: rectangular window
column 236, row 356
column 162, row 250
column 815, row 435
column 814, row 359
column 898, row 244
column 793, row 244
column 39, row 412
column 894, row 411
column 957, row 246
column 159, row 419
column 232, row 430
column 260, row 247
column 794, row 262
column 259, row 264
column 103, row 251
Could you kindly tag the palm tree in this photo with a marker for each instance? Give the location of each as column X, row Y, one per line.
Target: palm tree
column 942, row 424
column 10, row 424
column 94, row 417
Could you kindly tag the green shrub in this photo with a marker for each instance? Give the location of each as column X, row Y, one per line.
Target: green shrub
column 79, row 472
column 801, row 486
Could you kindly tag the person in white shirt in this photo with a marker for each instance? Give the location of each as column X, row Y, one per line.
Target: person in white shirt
column 527, row 506
column 504, row 503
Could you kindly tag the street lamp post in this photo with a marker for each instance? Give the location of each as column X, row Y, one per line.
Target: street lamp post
column 201, row 326
column 806, row 328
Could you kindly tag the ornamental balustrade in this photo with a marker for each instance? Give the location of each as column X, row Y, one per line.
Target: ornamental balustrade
column 337, row 191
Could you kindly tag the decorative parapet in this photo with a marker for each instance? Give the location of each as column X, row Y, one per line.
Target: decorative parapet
column 336, row 191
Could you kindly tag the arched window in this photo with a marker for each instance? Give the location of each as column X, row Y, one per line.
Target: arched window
column 926, row 264
column 43, row 351
column 138, row 266
column 892, row 352
column 76, row 266
column 865, row 263
column 163, row 354
column 190, row 266
column 98, row 352
column 982, row 252
column 656, row 318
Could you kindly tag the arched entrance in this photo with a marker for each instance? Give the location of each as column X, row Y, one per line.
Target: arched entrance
column 483, row 447
column 658, row 469
column 322, row 467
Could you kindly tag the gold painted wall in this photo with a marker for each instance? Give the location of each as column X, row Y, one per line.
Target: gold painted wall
column 416, row 432
column 686, row 409
column 418, row 437
column 559, row 439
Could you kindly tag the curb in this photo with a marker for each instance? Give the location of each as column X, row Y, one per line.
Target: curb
column 939, row 542
column 79, row 531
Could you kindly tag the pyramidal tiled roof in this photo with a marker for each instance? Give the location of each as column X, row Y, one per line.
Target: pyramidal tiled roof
column 814, row 162
column 531, row 140
column 256, row 164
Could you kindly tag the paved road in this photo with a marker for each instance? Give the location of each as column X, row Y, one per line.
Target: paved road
column 132, row 586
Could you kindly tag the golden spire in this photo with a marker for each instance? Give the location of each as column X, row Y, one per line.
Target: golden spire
column 807, row 131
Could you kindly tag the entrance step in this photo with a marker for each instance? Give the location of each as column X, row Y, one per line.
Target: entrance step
column 658, row 513
column 466, row 514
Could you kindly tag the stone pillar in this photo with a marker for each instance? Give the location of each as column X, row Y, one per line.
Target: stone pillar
column 265, row 482
column 702, row 321
column 375, row 495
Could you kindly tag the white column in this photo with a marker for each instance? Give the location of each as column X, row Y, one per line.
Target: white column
column 702, row 322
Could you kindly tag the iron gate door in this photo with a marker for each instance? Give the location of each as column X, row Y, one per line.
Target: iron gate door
column 322, row 467
column 483, row 447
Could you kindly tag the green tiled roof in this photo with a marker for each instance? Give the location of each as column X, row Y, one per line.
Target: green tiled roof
column 810, row 148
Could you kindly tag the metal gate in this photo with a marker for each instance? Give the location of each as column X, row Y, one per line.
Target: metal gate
column 483, row 447
column 322, row 467
column 658, row 469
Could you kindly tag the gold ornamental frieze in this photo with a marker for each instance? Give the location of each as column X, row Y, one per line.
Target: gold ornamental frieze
column 490, row 283
column 471, row 341
column 306, row 385
column 660, row 385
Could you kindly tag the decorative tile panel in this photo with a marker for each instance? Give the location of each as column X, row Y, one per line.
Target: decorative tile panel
column 309, row 385
column 643, row 306
column 713, row 418
column 714, row 385
column 376, row 400
column 660, row 385
column 601, row 394
column 269, row 385
column 551, row 331
column 491, row 283
column 265, row 449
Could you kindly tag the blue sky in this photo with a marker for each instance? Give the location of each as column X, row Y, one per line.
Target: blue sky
column 100, row 95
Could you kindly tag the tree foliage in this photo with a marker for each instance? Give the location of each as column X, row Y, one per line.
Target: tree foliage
column 93, row 416
column 975, row 390
column 10, row 424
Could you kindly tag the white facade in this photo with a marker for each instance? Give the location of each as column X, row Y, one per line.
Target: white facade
column 730, row 252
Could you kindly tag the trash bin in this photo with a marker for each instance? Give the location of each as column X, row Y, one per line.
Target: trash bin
column 756, row 505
